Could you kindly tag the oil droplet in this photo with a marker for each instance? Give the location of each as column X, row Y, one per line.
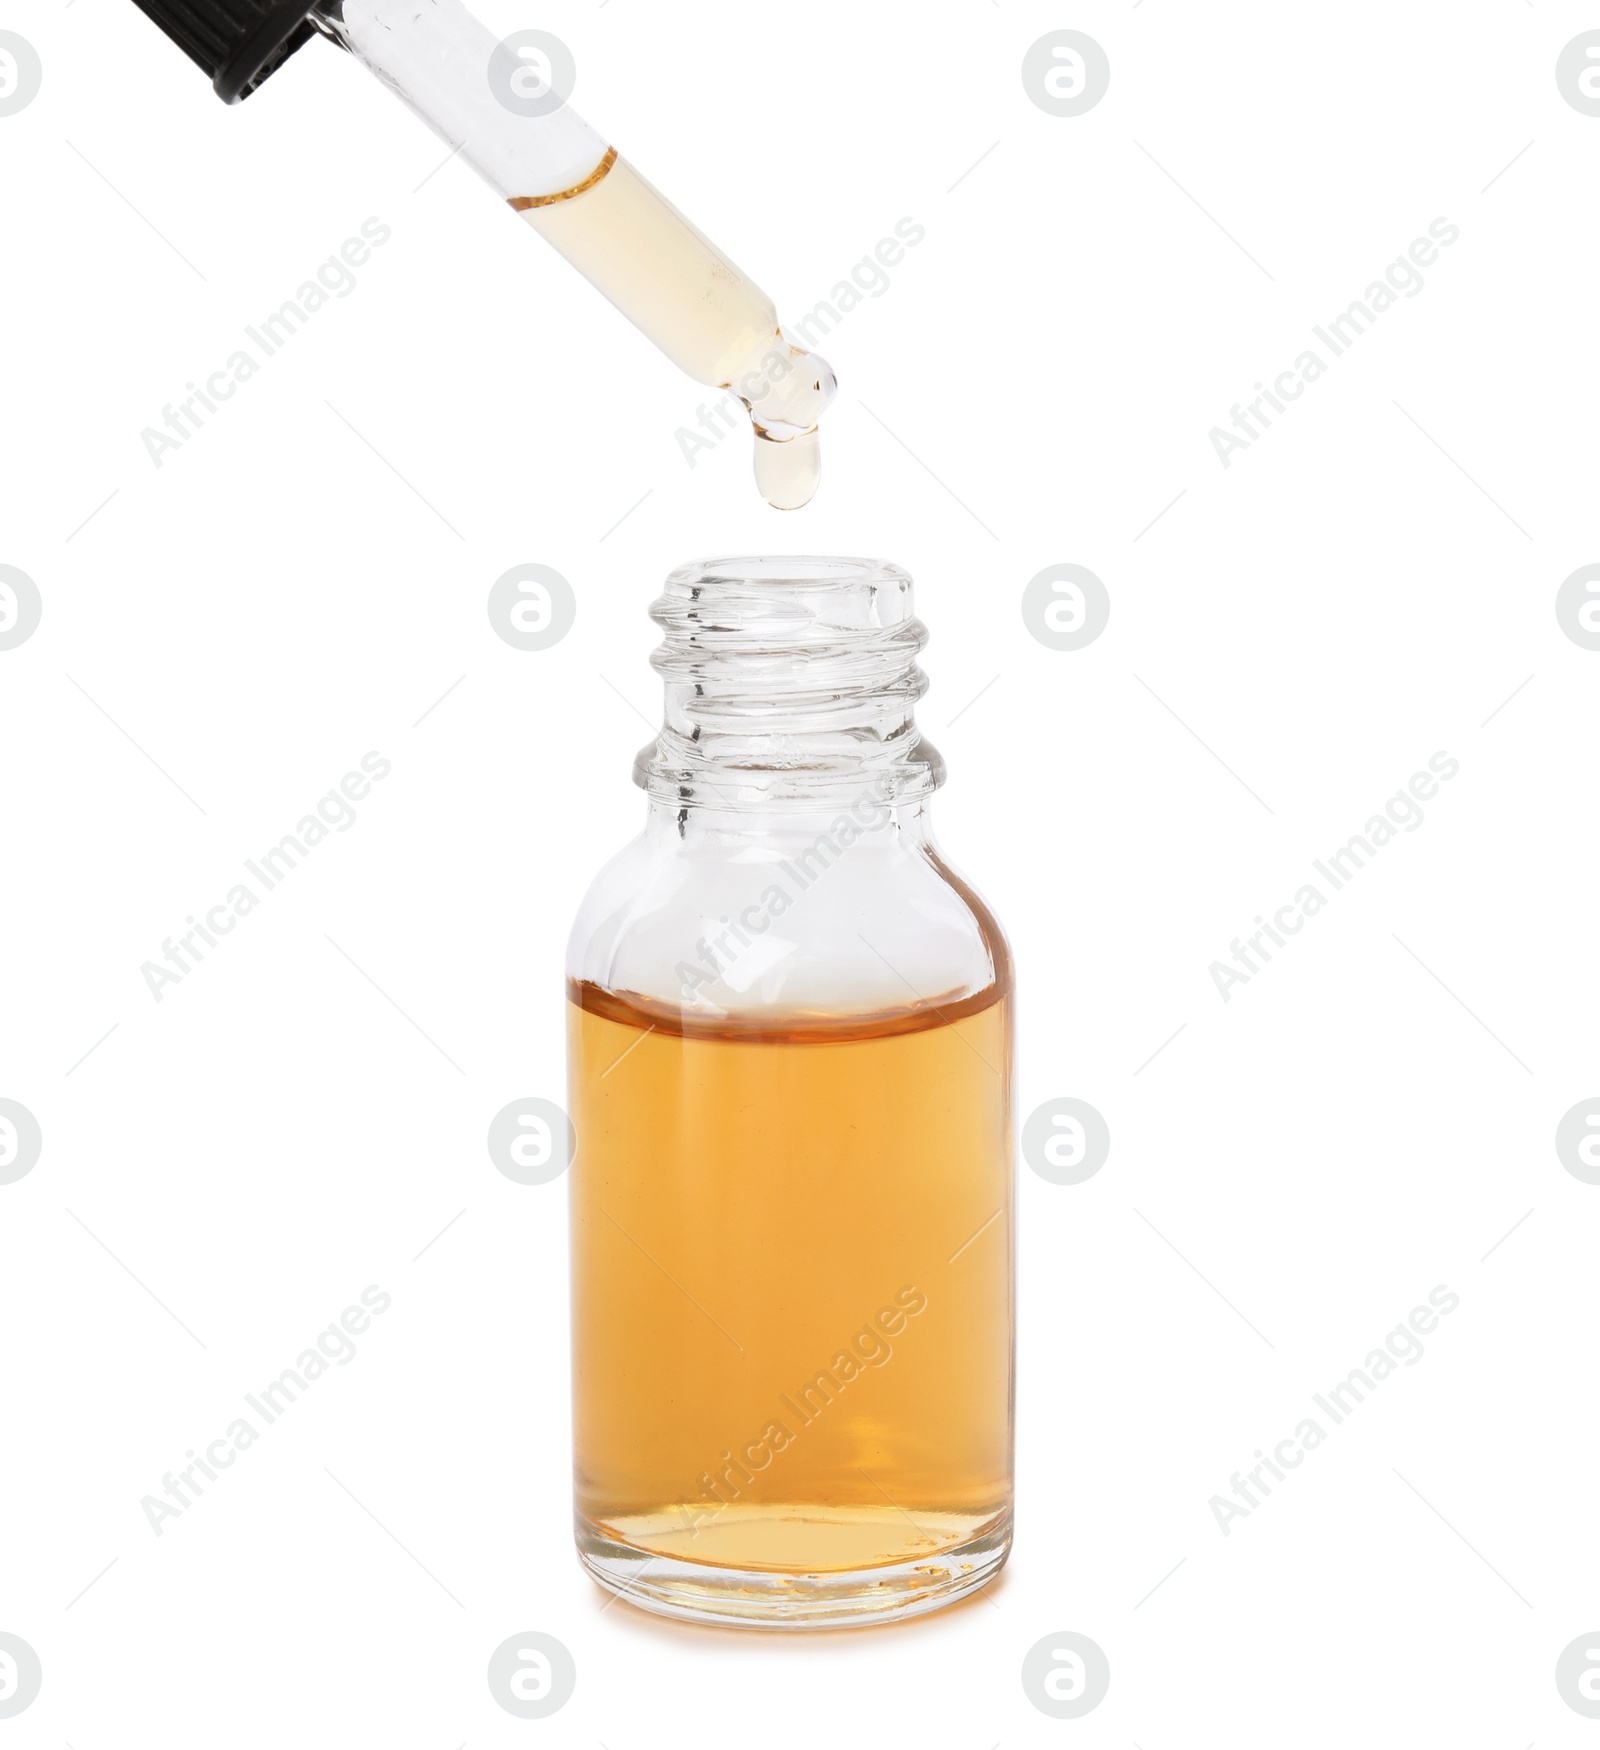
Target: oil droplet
column 788, row 470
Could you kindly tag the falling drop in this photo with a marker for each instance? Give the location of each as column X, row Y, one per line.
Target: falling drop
column 788, row 471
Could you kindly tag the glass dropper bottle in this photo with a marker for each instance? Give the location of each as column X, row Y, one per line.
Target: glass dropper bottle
column 790, row 1048
column 501, row 104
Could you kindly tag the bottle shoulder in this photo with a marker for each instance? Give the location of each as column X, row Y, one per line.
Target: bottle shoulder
column 782, row 924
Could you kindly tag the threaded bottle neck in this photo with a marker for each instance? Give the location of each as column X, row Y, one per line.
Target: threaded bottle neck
column 789, row 682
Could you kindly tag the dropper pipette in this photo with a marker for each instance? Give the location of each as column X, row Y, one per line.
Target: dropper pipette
column 506, row 115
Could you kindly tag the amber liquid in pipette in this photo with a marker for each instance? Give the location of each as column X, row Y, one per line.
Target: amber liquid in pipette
column 792, row 1282
column 710, row 318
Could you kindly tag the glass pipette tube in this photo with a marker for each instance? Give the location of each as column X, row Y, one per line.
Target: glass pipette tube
column 666, row 276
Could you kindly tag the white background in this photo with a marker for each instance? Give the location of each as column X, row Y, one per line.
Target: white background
column 1293, row 638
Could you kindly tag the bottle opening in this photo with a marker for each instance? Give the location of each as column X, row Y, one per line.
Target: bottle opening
column 789, row 680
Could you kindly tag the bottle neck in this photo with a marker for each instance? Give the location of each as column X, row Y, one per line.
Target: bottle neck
column 791, row 691
column 758, row 834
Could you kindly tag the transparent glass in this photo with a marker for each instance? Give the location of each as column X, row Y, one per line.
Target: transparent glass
column 792, row 1198
column 503, row 108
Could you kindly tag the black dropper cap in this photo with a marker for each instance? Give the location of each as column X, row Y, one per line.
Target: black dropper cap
column 238, row 42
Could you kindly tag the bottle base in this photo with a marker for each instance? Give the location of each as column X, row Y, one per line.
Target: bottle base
column 751, row 1598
